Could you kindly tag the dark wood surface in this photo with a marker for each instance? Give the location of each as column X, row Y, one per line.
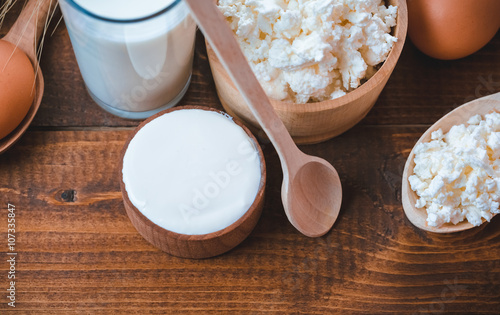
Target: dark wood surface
column 78, row 253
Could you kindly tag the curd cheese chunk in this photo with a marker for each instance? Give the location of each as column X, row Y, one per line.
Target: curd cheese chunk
column 311, row 50
column 457, row 174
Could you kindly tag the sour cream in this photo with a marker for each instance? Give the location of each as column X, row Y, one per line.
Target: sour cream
column 192, row 171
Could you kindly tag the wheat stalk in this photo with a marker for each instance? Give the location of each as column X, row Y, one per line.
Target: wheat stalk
column 5, row 6
column 44, row 34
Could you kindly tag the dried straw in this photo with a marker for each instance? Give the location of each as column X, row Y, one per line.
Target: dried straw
column 5, row 6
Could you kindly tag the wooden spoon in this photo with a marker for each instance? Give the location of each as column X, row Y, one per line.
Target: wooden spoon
column 25, row 34
column 458, row 116
column 311, row 190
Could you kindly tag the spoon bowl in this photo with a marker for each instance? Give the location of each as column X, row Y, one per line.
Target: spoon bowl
column 25, row 33
column 458, row 116
column 314, row 177
column 311, row 191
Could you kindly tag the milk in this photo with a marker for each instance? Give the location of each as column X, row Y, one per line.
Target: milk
column 133, row 64
column 124, row 9
column 192, row 171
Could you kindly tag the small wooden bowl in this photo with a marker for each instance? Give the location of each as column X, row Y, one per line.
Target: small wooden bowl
column 458, row 116
column 320, row 121
column 195, row 246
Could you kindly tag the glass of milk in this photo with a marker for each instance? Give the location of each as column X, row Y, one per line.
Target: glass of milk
column 134, row 56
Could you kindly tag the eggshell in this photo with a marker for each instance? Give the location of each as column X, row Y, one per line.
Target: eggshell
column 17, row 79
column 452, row 29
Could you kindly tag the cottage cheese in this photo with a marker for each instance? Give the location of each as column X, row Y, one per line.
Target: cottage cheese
column 311, row 50
column 457, row 174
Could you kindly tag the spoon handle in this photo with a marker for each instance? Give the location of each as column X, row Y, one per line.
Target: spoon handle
column 30, row 24
column 221, row 38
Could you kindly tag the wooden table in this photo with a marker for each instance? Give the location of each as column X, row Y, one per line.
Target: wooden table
column 77, row 251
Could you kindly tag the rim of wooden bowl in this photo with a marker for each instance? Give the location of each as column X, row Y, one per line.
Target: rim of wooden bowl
column 200, row 237
column 15, row 135
column 384, row 71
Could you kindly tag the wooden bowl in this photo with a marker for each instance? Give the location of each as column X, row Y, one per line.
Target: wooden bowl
column 458, row 116
column 195, row 246
column 320, row 121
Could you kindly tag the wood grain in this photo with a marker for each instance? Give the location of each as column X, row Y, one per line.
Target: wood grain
column 79, row 254
column 83, row 254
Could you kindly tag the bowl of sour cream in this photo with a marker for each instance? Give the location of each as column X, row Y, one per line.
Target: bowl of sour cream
column 193, row 181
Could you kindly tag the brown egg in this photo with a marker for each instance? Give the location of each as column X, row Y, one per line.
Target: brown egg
column 452, row 29
column 17, row 79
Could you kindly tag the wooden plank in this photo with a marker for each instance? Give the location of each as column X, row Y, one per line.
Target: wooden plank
column 78, row 252
column 420, row 91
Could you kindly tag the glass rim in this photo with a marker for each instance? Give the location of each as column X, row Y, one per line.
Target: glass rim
column 106, row 19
